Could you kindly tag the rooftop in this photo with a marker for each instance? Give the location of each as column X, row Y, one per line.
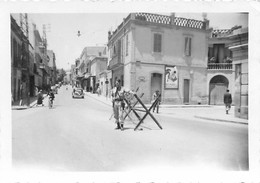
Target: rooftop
column 163, row 20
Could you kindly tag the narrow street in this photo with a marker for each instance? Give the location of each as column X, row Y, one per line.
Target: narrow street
column 77, row 135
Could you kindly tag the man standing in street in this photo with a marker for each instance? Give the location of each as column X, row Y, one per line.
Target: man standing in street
column 227, row 101
column 155, row 96
column 118, row 104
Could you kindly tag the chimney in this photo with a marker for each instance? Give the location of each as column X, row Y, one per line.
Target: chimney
column 204, row 16
column 109, row 35
column 205, row 20
column 172, row 16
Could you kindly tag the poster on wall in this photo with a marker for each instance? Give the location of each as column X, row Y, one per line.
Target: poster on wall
column 171, row 77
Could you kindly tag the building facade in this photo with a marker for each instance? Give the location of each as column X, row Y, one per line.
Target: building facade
column 239, row 48
column 20, row 62
column 30, row 69
column 88, row 65
column 52, row 67
column 220, row 76
column 166, row 53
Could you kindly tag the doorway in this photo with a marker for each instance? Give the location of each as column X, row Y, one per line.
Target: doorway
column 156, row 83
column 217, row 88
column 186, row 91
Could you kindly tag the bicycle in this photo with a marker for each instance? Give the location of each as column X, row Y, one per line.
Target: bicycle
column 50, row 102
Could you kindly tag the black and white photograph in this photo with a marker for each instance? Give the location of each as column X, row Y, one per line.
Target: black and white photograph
column 129, row 92
column 71, row 79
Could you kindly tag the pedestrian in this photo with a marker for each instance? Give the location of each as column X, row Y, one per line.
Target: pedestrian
column 156, row 94
column 39, row 98
column 227, row 101
column 118, row 104
column 98, row 91
column 21, row 94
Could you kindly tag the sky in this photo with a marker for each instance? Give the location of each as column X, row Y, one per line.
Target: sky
column 62, row 30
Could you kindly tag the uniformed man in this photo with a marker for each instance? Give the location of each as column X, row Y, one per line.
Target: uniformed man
column 118, row 104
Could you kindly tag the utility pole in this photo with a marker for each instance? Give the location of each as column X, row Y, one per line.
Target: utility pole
column 26, row 53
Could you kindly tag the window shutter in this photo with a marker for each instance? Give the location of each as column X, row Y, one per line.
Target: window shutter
column 187, row 48
column 119, row 50
column 126, row 48
column 157, row 43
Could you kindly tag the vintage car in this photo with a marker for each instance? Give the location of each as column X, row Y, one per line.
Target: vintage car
column 77, row 93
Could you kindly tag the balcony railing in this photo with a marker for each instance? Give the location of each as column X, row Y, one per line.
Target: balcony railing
column 161, row 19
column 219, row 66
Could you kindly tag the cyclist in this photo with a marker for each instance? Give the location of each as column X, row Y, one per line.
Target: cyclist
column 51, row 98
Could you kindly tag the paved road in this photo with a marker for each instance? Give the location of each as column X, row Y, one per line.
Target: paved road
column 77, row 135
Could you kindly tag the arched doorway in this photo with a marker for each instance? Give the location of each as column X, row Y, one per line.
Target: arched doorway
column 156, row 83
column 217, row 88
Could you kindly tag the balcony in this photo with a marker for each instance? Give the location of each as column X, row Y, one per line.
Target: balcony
column 115, row 62
column 219, row 66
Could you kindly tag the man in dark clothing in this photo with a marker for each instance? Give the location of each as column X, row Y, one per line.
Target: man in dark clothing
column 227, row 101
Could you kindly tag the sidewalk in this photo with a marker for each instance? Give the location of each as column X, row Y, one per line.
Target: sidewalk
column 206, row 112
column 33, row 101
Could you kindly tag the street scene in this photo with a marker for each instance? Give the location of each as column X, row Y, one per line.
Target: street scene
column 135, row 92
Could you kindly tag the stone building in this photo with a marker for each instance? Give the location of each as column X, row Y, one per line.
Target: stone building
column 239, row 48
column 158, row 52
column 220, row 74
column 20, row 62
column 87, row 66
column 52, row 66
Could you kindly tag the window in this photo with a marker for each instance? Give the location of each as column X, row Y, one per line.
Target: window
column 157, row 43
column 114, row 50
column 126, row 46
column 187, row 49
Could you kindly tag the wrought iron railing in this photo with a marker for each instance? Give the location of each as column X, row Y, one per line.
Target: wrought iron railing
column 219, row 66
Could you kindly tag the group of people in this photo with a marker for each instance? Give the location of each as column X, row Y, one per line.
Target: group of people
column 40, row 97
column 119, row 104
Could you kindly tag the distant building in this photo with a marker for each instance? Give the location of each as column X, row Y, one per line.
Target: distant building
column 52, row 66
column 90, row 58
column 158, row 52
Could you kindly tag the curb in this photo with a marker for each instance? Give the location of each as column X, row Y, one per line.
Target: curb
column 221, row 120
column 186, row 106
column 98, row 100
column 35, row 102
column 27, row 107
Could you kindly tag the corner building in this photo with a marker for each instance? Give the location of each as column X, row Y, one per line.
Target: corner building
column 166, row 53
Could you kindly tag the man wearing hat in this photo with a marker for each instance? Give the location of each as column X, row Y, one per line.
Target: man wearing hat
column 227, row 101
